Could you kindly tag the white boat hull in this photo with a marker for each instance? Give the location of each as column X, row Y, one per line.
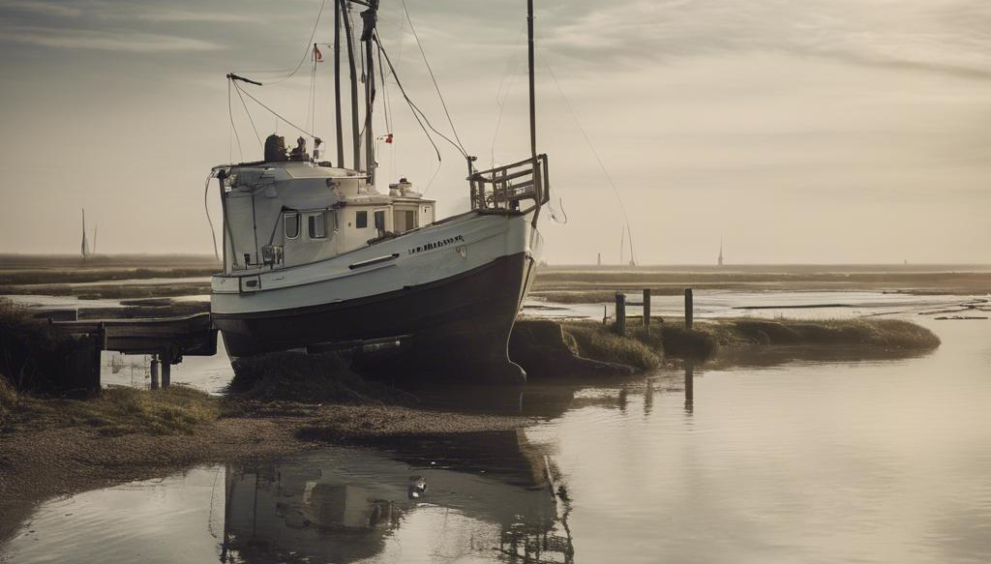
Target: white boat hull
column 454, row 288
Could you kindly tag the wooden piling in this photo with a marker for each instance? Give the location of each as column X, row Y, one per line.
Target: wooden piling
column 154, row 372
column 93, row 385
column 620, row 313
column 646, row 309
column 689, row 309
column 166, row 358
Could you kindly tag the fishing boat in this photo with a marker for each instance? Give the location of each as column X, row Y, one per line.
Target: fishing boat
column 315, row 256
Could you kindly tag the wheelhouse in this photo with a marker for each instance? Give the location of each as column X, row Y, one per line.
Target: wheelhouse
column 289, row 213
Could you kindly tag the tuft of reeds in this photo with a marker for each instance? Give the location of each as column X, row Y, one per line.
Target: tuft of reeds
column 177, row 410
column 297, row 377
column 599, row 342
column 8, row 400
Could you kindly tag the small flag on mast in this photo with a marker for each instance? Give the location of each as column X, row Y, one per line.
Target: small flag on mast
column 317, row 55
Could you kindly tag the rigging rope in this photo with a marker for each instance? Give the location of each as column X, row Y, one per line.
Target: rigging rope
column 306, row 51
column 251, row 119
column 588, row 141
column 213, row 231
column 273, row 112
column 230, row 112
column 415, row 108
column 433, row 78
column 511, row 72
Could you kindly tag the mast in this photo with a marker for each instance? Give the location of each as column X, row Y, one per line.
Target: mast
column 337, row 82
column 368, row 18
column 354, row 87
column 533, row 101
column 539, row 188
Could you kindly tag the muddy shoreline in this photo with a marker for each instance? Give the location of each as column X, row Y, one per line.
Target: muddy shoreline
column 41, row 464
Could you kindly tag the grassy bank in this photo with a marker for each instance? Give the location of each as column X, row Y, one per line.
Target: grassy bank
column 118, row 411
column 877, row 334
column 645, row 351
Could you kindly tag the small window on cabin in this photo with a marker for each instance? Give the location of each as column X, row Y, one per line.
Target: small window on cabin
column 361, row 220
column 317, row 226
column 380, row 220
column 292, row 225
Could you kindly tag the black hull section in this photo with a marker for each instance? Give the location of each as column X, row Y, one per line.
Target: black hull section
column 459, row 325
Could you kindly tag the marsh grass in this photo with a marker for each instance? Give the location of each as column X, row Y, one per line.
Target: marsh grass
column 8, row 400
column 881, row 334
column 33, row 357
column 600, row 342
column 177, row 410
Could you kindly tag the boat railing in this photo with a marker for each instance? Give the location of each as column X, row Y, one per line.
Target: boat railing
column 502, row 189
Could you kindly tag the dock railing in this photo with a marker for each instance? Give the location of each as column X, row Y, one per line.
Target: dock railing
column 501, row 189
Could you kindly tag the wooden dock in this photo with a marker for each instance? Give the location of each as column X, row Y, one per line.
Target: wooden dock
column 167, row 339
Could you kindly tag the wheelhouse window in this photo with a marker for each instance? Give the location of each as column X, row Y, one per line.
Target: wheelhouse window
column 380, row 221
column 317, row 226
column 291, row 221
column 361, row 219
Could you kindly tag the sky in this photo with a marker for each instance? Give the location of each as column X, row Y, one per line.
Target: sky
column 794, row 131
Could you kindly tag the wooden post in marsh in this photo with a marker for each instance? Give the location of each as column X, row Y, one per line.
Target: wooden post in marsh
column 689, row 309
column 93, row 385
column 166, row 357
column 646, row 309
column 621, row 313
column 154, row 371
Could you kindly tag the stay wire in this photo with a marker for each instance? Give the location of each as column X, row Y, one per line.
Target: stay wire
column 230, row 113
column 309, row 46
column 251, row 119
column 274, row 113
column 213, row 231
column 433, row 78
column 588, row 141
column 416, row 110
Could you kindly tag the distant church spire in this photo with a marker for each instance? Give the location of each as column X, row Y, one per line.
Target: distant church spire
column 720, row 251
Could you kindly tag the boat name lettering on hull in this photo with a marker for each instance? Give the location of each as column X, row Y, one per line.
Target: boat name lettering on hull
column 436, row 244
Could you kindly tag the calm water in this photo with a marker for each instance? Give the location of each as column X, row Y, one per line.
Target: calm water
column 870, row 461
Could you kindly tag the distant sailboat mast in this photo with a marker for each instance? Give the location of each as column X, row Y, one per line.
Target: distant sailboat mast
column 622, row 244
column 633, row 255
column 84, row 250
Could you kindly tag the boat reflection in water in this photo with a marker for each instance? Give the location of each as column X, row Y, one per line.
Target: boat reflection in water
column 484, row 495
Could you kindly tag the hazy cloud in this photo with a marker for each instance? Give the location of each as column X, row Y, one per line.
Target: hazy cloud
column 133, row 42
column 953, row 36
column 61, row 10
